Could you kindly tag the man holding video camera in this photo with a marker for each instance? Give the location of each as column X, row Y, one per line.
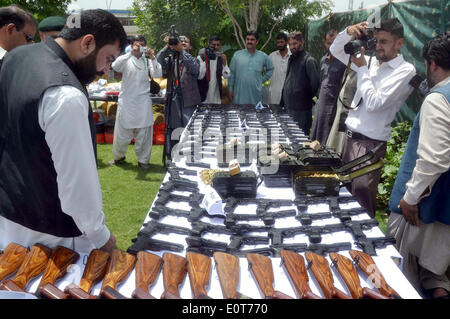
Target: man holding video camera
column 213, row 65
column 382, row 88
column 135, row 114
column 182, row 96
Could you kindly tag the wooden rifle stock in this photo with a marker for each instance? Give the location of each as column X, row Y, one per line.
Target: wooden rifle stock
column 60, row 260
column 199, row 271
column 322, row 272
column 147, row 269
column 227, row 267
column 295, row 267
column 11, row 259
column 366, row 263
column 261, row 266
column 32, row 266
column 174, row 271
column 93, row 272
column 119, row 268
column 350, row 276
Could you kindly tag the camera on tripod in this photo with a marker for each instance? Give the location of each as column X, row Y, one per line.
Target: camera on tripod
column 366, row 40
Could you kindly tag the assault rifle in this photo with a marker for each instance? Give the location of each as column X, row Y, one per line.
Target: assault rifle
column 199, row 271
column 60, row 260
column 294, row 264
column 33, row 265
column 322, row 272
column 93, row 272
column 174, row 272
column 368, row 266
column 351, row 278
column 227, row 267
column 118, row 269
column 261, row 266
column 11, row 259
column 147, row 269
column 368, row 245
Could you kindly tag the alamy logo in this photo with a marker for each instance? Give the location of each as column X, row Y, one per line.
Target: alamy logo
column 74, row 21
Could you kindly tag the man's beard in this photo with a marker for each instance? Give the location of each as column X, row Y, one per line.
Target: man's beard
column 430, row 79
column 282, row 48
column 86, row 69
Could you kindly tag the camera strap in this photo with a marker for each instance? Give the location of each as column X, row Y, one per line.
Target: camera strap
column 347, row 71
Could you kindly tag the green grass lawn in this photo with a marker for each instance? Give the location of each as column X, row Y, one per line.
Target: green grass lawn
column 128, row 191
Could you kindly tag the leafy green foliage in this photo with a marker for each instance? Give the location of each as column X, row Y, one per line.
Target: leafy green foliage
column 41, row 8
column 394, row 153
column 200, row 19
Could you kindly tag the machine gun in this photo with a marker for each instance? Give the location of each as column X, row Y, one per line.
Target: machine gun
column 369, row 245
column 194, row 214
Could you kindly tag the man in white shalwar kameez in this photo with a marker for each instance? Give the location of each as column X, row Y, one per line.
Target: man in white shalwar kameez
column 134, row 117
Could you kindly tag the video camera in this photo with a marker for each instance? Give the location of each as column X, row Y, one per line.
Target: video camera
column 211, row 52
column 366, row 40
column 174, row 37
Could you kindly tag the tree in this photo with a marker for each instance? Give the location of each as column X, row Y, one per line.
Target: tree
column 267, row 16
column 41, row 8
column 199, row 19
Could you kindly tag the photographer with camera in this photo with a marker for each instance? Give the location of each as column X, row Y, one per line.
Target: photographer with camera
column 382, row 88
column 134, row 113
column 213, row 65
column 182, row 96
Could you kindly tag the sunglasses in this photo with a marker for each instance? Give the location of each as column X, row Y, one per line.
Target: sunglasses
column 28, row 38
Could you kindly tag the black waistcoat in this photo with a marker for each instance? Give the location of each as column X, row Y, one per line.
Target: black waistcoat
column 297, row 92
column 203, row 85
column 28, row 187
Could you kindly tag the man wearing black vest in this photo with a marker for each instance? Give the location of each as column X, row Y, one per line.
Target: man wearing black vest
column 301, row 84
column 213, row 65
column 49, row 187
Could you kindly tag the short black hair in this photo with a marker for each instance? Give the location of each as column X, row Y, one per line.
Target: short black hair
column 282, row 36
column 214, row 38
column 103, row 25
column 138, row 38
column 437, row 50
column 331, row 33
column 297, row 35
column 393, row 26
column 18, row 16
column 253, row 33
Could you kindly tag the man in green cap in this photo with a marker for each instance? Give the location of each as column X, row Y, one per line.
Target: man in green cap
column 50, row 27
